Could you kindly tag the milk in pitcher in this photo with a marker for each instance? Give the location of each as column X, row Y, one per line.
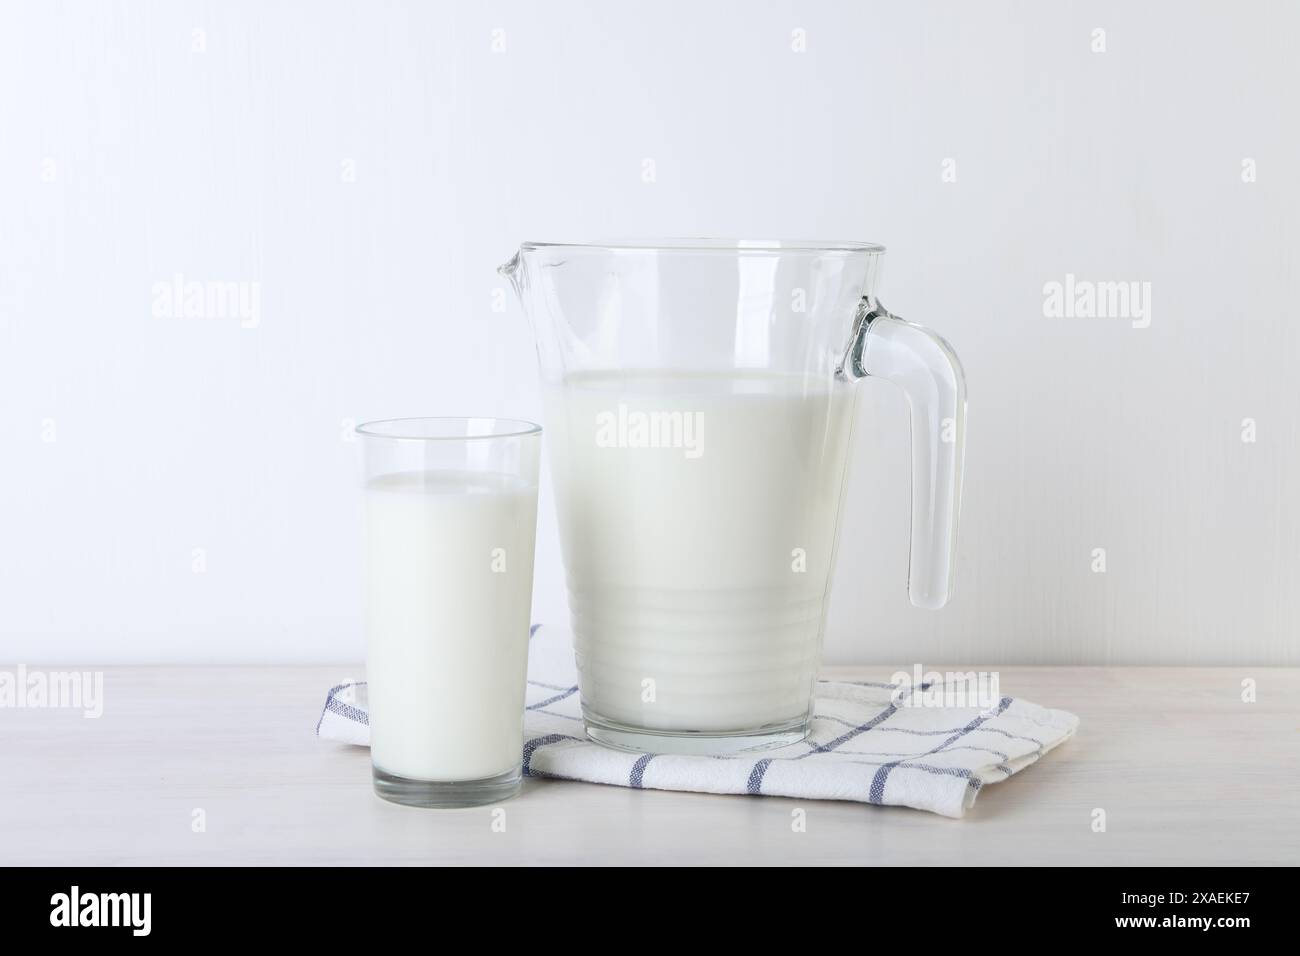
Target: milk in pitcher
column 698, row 517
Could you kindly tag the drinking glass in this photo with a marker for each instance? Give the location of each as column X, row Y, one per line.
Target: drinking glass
column 449, row 525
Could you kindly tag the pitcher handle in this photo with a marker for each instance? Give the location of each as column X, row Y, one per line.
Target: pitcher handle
column 925, row 367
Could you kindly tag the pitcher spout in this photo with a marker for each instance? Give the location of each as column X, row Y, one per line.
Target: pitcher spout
column 514, row 271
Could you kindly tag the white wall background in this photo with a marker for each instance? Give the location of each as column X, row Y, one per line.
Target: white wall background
column 369, row 164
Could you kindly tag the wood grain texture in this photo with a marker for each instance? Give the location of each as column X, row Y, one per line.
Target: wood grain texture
column 1186, row 772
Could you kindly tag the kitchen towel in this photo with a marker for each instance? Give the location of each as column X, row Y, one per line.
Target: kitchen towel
column 891, row 743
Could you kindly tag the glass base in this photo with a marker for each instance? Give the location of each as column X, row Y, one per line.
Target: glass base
column 694, row 743
column 447, row 794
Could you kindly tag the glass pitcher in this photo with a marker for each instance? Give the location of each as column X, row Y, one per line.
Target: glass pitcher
column 699, row 408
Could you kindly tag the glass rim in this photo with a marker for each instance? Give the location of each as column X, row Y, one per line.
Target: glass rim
column 408, row 429
column 714, row 244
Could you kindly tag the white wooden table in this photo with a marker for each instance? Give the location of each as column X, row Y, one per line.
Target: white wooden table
column 1186, row 772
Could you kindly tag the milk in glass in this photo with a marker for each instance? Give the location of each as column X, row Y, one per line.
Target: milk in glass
column 448, row 575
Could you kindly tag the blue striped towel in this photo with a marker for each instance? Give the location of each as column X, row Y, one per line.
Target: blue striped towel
column 869, row 742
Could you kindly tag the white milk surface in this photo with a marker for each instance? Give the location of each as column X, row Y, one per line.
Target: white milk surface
column 448, row 575
column 698, row 544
